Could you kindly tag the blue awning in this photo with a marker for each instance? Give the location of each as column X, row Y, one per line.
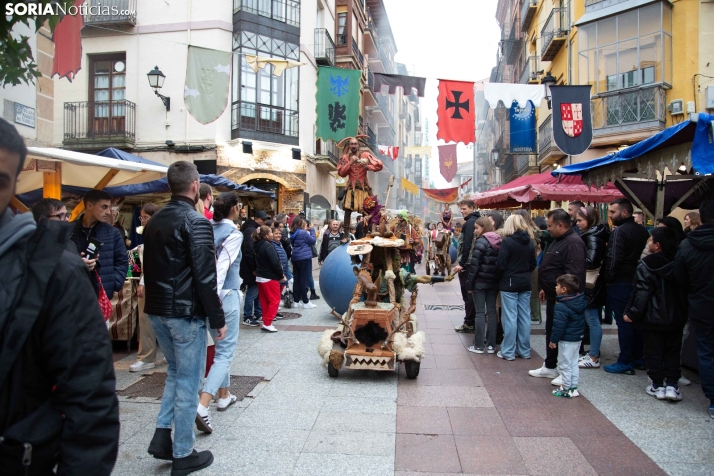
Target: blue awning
column 113, row 153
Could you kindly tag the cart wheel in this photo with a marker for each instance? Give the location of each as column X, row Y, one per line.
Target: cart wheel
column 412, row 368
column 333, row 372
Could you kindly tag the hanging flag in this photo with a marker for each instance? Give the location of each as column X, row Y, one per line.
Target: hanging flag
column 447, row 161
column 418, row 150
column 456, row 112
column 409, row 187
column 208, row 75
column 523, row 129
column 389, row 151
column 444, row 195
column 337, row 103
column 572, row 123
column 509, row 92
column 466, row 183
column 407, row 83
column 279, row 65
column 68, row 45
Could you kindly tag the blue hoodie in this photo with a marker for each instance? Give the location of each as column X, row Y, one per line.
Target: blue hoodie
column 569, row 318
column 302, row 242
column 283, row 259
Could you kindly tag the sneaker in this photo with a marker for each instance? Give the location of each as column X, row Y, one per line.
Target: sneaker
column 297, row 304
column 586, row 362
column 574, row 392
column 251, row 321
column 543, row 372
column 224, row 403
column 618, row 368
column 270, row 328
column 500, row 356
column 314, row 296
column 203, row 419
column 673, row 394
column 308, row 305
column 657, row 392
column 477, row 350
column 684, row 381
column 279, row 316
column 139, row 365
column 491, row 349
column 193, row 462
column 561, row 392
column 465, row 329
column 639, row 364
column 557, row 381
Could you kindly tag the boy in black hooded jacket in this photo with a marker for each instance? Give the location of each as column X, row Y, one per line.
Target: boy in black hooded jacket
column 653, row 309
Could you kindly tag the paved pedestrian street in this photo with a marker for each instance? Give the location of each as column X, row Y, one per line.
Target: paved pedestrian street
column 465, row 414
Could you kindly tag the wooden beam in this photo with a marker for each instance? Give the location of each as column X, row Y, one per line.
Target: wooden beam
column 637, row 201
column 691, row 191
column 100, row 186
column 52, row 183
column 19, row 205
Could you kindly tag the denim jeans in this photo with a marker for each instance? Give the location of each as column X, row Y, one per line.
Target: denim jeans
column 629, row 337
column 592, row 318
column 568, row 354
column 705, row 353
column 485, row 303
column 183, row 342
column 219, row 375
column 516, row 320
column 251, row 302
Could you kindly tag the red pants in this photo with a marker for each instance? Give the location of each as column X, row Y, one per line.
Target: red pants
column 269, row 295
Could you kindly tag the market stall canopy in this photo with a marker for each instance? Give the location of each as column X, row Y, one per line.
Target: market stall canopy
column 663, row 172
column 543, row 187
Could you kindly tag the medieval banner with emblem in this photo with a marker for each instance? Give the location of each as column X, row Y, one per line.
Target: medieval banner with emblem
column 572, row 122
column 337, row 103
column 208, row 75
column 447, row 161
column 444, row 195
column 456, row 112
column 523, row 128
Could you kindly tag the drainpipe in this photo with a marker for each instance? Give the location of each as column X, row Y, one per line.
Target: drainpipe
column 570, row 70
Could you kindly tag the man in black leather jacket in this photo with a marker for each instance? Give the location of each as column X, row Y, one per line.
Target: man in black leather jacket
column 180, row 279
column 468, row 211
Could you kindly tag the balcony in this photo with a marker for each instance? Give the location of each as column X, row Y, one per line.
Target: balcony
column 111, row 12
column 262, row 122
column 324, row 47
column 594, row 5
column 529, row 75
column 358, row 54
column 287, row 11
column 528, row 11
column 640, row 111
column 384, row 108
column 509, row 172
column 326, row 155
column 548, row 152
column 553, row 34
column 101, row 124
column 527, row 165
column 513, row 44
column 372, row 140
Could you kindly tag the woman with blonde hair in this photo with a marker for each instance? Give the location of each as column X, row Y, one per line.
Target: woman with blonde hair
column 691, row 221
column 516, row 262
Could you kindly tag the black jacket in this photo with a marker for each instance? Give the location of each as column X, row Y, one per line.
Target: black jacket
column 595, row 239
column 326, row 238
column 693, row 267
column 566, row 255
column 267, row 261
column 67, row 360
column 623, row 252
column 568, row 318
column 483, row 272
column 113, row 261
column 516, row 261
column 653, row 304
column 180, row 264
column 464, row 253
column 285, row 241
column 247, row 264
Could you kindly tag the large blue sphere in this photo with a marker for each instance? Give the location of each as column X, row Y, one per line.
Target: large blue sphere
column 452, row 253
column 337, row 279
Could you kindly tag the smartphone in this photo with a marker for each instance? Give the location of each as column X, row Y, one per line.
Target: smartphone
column 93, row 248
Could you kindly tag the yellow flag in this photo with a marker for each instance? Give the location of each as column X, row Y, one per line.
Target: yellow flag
column 410, row 187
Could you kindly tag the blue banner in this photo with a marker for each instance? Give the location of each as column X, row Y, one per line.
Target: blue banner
column 523, row 129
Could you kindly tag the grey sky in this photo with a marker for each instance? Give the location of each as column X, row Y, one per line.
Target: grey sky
column 445, row 39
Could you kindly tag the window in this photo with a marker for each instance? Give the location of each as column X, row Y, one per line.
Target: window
column 263, row 102
column 630, row 49
column 107, row 92
column 342, row 28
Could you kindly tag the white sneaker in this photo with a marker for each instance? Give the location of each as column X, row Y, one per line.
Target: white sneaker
column 297, row 304
column 490, row 349
column 684, row 381
column 308, row 305
column 557, row 381
column 585, row 362
column 543, row 372
column 270, row 328
column 203, row 419
column 658, row 393
column 139, row 365
column 224, row 403
column 672, row 394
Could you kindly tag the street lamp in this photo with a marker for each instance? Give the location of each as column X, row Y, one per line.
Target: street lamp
column 548, row 81
column 156, row 81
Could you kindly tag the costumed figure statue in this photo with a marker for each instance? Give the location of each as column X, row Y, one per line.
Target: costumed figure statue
column 439, row 242
column 446, row 219
column 376, row 215
column 354, row 165
column 412, row 240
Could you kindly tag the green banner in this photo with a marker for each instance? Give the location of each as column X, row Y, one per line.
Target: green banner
column 208, row 75
column 337, row 103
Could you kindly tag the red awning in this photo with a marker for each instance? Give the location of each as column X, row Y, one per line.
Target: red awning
column 545, row 187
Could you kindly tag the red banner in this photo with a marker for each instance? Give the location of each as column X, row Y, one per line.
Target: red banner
column 447, row 161
column 68, row 45
column 456, row 112
column 444, row 195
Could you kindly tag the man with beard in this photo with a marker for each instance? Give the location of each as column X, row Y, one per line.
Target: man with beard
column 573, row 208
column 354, row 165
column 627, row 241
column 463, row 256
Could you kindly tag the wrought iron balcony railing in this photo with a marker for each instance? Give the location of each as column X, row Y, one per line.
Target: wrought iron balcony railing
column 528, row 10
column 545, row 137
column 357, row 53
column 530, row 71
column 287, row 11
column 106, row 122
column 324, row 47
column 631, row 109
column 262, row 118
column 327, row 149
column 553, row 33
column 114, row 12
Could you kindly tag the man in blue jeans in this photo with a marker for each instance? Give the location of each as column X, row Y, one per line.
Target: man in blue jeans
column 180, row 279
column 693, row 271
column 624, row 249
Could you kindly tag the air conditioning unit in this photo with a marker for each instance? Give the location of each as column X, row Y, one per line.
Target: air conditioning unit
column 676, row 107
